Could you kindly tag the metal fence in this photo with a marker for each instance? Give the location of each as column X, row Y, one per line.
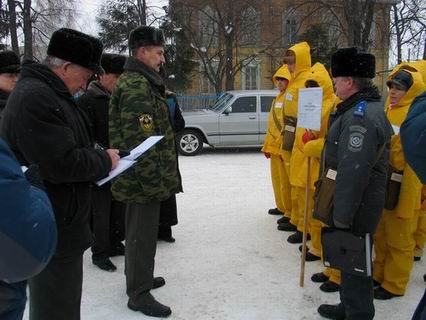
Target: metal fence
column 194, row 103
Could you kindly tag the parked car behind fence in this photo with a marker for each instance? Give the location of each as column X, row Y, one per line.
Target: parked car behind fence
column 236, row 119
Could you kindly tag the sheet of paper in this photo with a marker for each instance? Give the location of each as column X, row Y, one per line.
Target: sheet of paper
column 121, row 167
column 126, row 162
column 310, row 108
column 395, row 129
column 143, row 147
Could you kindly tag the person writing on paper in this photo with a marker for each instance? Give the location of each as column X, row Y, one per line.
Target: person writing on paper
column 357, row 148
column 107, row 214
column 394, row 239
column 138, row 110
column 44, row 126
column 271, row 148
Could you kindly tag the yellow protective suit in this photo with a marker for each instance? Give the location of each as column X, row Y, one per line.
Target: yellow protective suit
column 301, row 72
column 420, row 233
column 394, row 240
column 272, row 145
column 299, row 160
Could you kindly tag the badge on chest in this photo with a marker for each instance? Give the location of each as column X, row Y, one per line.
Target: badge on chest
column 146, row 122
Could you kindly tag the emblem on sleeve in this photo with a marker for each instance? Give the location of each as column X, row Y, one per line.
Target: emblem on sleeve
column 356, row 138
column 146, row 122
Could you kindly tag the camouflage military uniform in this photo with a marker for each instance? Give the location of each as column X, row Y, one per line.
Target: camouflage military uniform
column 138, row 110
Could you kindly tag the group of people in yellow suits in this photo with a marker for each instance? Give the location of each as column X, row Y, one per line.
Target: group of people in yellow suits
column 401, row 235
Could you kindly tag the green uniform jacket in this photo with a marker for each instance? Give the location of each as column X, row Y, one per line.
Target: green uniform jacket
column 138, row 110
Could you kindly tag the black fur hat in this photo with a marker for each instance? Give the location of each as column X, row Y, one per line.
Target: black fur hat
column 353, row 62
column 113, row 63
column 9, row 62
column 76, row 47
column 146, row 36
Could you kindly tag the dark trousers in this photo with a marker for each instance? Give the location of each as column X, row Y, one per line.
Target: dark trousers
column 55, row 293
column 141, row 244
column 13, row 297
column 420, row 313
column 356, row 296
column 117, row 222
column 101, row 212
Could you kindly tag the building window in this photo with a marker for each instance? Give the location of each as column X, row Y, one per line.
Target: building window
column 250, row 26
column 291, row 24
column 251, row 76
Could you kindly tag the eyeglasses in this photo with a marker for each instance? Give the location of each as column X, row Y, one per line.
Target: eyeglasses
column 280, row 79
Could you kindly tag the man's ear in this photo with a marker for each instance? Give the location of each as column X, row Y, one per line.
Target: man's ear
column 64, row 68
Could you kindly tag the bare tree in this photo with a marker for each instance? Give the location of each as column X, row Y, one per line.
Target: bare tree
column 408, row 27
column 12, row 26
column 224, row 35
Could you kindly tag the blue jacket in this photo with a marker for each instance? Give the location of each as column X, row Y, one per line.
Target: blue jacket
column 27, row 226
column 413, row 137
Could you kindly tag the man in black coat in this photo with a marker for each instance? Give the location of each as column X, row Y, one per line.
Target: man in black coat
column 9, row 72
column 107, row 218
column 357, row 147
column 44, row 126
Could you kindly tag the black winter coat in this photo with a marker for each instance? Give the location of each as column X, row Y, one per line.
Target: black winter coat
column 43, row 125
column 354, row 148
column 3, row 100
column 95, row 103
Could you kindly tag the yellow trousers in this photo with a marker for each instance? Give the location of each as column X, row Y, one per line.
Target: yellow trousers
column 394, row 247
column 315, row 231
column 280, row 185
column 333, row 275
column 420, row 235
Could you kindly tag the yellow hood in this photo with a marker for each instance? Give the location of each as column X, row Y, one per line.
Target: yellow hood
column 415, row 90
column 282, row 72
column 320, row 74
column 302, row 52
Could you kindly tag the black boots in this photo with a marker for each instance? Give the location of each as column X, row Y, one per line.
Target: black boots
column 329, row 286
column 319, row 277
column 116, row 250
column 147, row 304
column 158, row 282
column 275, row 212
column 381, row 293
column 283, row 219
column 334, row 312
column 297, row 237
column 287, row 226
column 105, row 264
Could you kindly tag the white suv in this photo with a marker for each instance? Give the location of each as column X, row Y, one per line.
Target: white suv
column 238, row 118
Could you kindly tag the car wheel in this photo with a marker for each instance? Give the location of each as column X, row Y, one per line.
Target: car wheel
column 190, row 143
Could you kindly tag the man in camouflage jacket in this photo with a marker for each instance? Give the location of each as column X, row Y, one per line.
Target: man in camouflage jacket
column 138, row 110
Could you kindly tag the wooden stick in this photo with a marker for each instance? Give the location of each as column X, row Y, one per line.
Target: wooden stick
column 305, row 224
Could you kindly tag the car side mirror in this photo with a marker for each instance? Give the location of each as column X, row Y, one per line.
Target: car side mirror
column 228, row 110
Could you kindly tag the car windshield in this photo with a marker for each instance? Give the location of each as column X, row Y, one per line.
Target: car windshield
column 220, row 103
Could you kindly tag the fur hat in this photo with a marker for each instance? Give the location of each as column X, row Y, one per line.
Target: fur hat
column 146, row 36
column 9, row 62
column 113, row 63
column 353, row 62
column 76, row 47
column 402, row 79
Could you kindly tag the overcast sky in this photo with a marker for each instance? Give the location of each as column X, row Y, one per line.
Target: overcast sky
column 88, row 10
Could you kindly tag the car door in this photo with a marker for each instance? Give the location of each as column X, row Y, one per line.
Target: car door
column 265, row 106
column 241, row 125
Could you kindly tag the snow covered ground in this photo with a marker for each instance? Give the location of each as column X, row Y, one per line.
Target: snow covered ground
column 229, row 262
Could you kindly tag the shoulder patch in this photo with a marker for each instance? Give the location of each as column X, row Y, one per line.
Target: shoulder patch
column 356, row 138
